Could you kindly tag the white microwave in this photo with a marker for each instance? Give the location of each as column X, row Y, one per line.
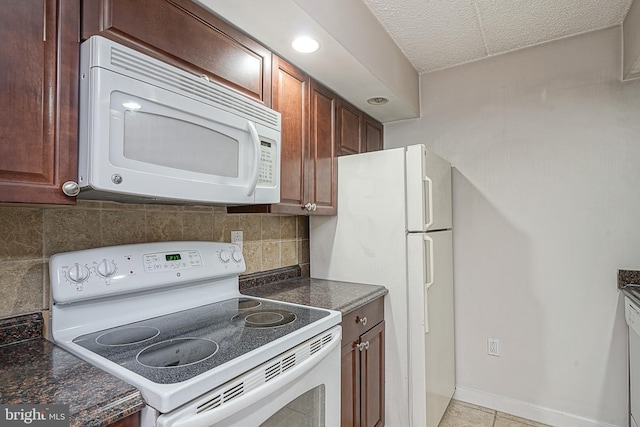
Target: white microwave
column 150, row 132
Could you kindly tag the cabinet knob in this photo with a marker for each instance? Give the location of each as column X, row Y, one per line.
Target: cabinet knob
column 313, row 207
column 71, row 188
column 362, row 320
column 308, row 206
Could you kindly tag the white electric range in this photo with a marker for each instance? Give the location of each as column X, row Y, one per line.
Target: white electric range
column 169, row 319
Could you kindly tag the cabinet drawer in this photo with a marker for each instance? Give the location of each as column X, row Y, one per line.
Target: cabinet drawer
column 354, row 323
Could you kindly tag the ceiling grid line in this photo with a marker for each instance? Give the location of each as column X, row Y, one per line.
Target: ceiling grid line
column 481, row 25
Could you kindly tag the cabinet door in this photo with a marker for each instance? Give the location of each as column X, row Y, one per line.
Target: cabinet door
column 372, row 377
column 350, row 386
column 349, row 129
column 38, row 86
column 131, row 421
column 186, row 35
column 373, row 133
column 321, row 173
column 291, row 99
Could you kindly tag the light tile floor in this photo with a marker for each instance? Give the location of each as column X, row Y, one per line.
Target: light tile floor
column 462, row 414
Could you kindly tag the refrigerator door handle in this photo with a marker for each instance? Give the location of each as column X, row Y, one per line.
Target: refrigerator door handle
column 429, row 201
column 429, row 279
column 429, row 267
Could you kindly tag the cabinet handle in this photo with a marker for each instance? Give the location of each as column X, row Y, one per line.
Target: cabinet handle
column 362, row 320
column 363, row 346
column 44, row 22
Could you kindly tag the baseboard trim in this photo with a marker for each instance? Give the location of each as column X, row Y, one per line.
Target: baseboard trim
column 524, row 410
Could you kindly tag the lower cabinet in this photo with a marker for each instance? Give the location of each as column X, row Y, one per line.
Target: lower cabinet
column 131, row 421
column 362, row 375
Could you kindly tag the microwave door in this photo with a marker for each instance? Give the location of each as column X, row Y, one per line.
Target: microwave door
column 164, row 145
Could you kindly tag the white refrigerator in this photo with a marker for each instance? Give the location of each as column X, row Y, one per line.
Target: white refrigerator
column 394, row 228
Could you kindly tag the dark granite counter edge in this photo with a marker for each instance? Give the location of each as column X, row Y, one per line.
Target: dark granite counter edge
column 104, row 415
column 629, row 284
column 331, row 294
column 21, row 328
column 262, row 278
column 375, row 294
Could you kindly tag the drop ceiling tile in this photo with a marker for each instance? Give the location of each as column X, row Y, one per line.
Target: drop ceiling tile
column 514, row 24
column 433, row 34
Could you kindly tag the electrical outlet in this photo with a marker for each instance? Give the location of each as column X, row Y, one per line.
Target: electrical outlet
column 493, row 347
column 236, row 238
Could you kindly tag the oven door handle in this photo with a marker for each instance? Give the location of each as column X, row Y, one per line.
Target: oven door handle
column 187, row 417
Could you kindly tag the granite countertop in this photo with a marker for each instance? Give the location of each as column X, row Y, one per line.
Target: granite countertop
column 629, row 284
column 36, row 371
column 331, row 294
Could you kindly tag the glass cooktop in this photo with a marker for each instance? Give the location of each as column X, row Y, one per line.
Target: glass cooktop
column 178, row 346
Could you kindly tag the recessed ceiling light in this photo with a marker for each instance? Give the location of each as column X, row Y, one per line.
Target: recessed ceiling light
column 377, row 100
column 305, row 44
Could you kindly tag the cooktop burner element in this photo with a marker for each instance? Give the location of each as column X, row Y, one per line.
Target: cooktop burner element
column 177, row 352
column 188, row 339
column 128, row 336
column 265, row 318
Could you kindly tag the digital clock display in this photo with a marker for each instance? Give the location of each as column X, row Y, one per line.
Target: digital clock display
column 173, row 257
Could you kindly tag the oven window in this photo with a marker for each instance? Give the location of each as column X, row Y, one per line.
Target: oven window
column 306, row 410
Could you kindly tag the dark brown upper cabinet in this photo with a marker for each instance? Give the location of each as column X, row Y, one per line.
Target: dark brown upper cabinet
column 308, row 161
column 372, row 134
column 39, row 47
column 186, row 35
column 350, row 126
column 357, row 131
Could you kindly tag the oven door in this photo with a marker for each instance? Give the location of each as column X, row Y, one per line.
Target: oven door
column 288, row 393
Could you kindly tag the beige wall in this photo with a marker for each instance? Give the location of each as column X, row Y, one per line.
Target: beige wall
column 545, row 144
column 29, row 236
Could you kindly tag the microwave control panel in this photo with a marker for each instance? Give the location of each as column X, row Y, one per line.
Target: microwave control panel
column 267, row 163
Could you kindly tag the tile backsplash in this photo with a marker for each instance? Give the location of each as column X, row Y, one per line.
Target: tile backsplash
column 30, row 235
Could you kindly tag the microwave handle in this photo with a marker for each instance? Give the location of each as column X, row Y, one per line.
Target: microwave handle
column 256, row 158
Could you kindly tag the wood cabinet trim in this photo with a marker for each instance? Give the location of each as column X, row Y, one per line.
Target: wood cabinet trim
column 362, row 371
column 132, row 420
column 348, row 138
column 371, row 141
column 295, row 136
column 352, row 327
column 372, row 377
column 99, row 17
column 319, row 184
column 37, row 177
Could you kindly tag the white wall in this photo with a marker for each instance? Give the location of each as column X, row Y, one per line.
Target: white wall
column 545, row 143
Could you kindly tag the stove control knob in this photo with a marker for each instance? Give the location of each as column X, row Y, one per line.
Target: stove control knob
column 237, row 256
column 78, row 273
column 106, row 268
column 224, row 256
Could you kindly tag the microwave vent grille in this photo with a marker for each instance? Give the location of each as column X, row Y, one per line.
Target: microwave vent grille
column 201, row 89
